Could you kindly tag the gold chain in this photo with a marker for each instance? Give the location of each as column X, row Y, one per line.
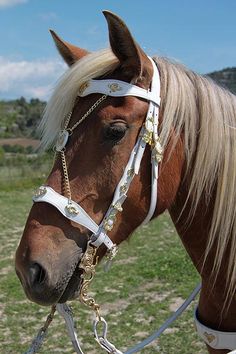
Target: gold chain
column 67, row 121
column 89, row 260
column 91, row 109
column 66, row 182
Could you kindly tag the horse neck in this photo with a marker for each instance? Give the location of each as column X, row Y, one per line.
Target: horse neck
column 192, row 229
column 193, row 232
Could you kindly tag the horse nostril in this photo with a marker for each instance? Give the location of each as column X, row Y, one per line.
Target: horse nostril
column 37, row 274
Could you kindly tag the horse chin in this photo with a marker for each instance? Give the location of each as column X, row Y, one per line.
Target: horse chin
column 72, row 289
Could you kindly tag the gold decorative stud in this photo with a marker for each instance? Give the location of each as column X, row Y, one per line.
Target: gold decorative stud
column 149, row 125
column 210, row 337
column 41, row 191
column 158, row 147
column 108, row 224
column 130, row 172
column 114, row 87
column 147, row 137
column 72, row 210
column 118, row 207
column 124, row 188
column 111, row 253
column 158, row 151
column 150, row 119
column 158, row 158
column 83, row 87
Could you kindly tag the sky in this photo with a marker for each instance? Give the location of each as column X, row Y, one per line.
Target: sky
column 200, row 34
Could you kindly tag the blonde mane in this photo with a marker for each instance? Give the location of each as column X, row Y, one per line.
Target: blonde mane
column 194, row 106
column 206, row 114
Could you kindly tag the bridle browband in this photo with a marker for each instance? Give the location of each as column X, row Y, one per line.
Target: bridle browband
column 147, row 136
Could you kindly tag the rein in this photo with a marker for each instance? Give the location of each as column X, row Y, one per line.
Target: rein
column 73, row 211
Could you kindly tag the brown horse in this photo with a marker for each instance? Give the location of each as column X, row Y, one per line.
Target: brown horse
column 197, row 178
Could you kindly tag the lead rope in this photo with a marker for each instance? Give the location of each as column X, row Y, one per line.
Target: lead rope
column 38, row 340
column 65, row 311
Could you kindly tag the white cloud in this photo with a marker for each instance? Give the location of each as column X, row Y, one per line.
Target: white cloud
column 7, row 3
column 28, row 78
column 48, row 16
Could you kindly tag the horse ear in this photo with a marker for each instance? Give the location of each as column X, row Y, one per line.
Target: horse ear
column 69, row 52
column 134, row 61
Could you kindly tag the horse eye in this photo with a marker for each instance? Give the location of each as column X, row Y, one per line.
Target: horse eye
column 115, row 132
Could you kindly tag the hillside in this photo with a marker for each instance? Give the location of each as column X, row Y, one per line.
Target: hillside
column 226, row 78
column 20, row 118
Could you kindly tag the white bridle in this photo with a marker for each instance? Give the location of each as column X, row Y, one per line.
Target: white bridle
column 73, row 211
column 147, row 135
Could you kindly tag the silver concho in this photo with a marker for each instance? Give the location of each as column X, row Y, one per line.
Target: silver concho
column 62, row 140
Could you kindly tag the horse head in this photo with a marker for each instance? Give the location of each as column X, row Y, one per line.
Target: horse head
column 50, row 250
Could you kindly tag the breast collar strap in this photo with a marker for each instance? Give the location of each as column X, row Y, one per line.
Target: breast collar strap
column 148, row 135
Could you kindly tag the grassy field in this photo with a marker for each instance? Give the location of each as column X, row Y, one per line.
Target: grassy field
column 150, row 277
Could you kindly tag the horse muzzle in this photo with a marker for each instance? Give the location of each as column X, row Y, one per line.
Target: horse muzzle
column 49, row 274
column 47, row 287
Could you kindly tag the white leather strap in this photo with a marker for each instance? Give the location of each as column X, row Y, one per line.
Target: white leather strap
column 101, row 238
column 60, row 202
column 215, row 339
column 131, row 168
column 154, row 113
column 151, row 123
column 117, row 88
column 156, row 81
column 48, row 195
column 65, row 311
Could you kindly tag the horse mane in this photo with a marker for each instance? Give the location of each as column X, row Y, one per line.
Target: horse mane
column 193, row 106
column 205, row 114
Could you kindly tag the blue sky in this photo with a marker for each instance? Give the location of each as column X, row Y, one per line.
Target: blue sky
column 200, row 34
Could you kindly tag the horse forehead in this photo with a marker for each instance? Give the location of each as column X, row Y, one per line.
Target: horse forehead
column 124, row 106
